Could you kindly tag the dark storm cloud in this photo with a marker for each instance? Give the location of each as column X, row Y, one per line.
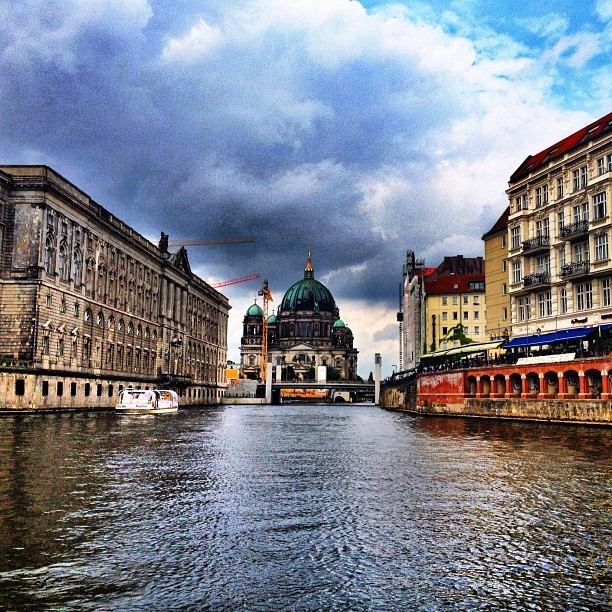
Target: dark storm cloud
column 308, row 125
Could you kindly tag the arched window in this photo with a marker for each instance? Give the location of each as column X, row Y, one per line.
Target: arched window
column 49, row 255
column 77, row 266
column 87, row 316
column 63, row 263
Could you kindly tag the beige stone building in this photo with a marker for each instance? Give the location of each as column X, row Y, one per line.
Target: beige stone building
column 497, row 296
column 559, row 226
column 455, row 303
column 88, row 306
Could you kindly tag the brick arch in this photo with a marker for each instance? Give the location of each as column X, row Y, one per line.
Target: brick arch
column 470, row 386
column 572, row 383
column 593, row 383
column 515, row 385
column 533, row 384
column 485, row 385
column 550, row 384
column 499, row 385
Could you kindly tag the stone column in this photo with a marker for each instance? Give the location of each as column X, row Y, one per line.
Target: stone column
column 494, row 387
column 377, row 377
column 478, row 387
column 582, row 381
column 525, row 387
column 562, row 386
column 605, row 385
column 543, row 394
column 509, row 387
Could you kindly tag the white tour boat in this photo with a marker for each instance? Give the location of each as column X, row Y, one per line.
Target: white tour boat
column 147, row 401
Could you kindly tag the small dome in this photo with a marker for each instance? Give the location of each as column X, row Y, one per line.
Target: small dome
column 339, row 324
column 272, row 319
column 254, row 311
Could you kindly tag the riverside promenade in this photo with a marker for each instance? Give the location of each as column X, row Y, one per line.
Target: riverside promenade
column 557, row 388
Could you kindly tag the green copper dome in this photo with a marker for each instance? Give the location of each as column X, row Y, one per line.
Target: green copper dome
column 308, row 294
column 272, row 319
column 254, row 311
column 339, row 323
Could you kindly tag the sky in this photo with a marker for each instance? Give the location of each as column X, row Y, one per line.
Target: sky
column 354, row 130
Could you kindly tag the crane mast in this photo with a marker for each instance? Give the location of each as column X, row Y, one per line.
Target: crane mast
column 267, row 297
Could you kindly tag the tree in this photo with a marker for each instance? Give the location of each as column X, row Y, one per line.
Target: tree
column 457, row 333
column 333, row 373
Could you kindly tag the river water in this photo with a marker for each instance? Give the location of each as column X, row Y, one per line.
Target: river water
column 302, row 507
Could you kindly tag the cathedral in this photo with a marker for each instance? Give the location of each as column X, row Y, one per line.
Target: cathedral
column 305, row 332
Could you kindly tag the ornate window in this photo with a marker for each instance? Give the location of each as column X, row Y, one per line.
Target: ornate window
column 63, row 267
column 77, row 266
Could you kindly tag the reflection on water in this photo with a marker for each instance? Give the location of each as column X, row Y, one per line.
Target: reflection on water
column 302, row 507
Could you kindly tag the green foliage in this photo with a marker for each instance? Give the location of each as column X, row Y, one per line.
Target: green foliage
column 333, row 373
column 457, row 333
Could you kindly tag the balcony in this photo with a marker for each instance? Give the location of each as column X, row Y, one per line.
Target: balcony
column 536, row 280
column 575, row 270
column 537, row 244
column 575, row 230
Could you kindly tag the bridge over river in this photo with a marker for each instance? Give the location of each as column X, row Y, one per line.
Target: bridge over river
column 355, row 391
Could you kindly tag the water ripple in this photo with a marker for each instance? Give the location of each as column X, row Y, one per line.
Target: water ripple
column 302, row 508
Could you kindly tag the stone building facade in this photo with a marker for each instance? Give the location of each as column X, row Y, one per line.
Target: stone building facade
column 88, row 306
column 497, row 296
column 305, row 332
column 559, row 231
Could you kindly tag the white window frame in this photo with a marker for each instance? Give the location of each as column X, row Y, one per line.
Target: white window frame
column 599, row 206
column 515, row 237
column 517, row 271
column 606, row 295
column 584, row 296
column 601, row 247
column 563, row 300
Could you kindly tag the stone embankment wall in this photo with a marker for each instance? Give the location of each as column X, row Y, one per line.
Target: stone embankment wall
column 22, row 391
column 572, row 392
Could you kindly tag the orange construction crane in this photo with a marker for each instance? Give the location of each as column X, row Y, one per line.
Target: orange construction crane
column 235, row 280
column 267, row 297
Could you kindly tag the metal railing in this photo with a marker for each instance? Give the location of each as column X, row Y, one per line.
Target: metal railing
column 575, row 269
column 536, row 243
column 575, row 229
column 539, row 278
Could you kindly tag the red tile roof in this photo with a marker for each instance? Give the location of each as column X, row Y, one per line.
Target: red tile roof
column 500, row 225
column 453, row 283
column 533, row 162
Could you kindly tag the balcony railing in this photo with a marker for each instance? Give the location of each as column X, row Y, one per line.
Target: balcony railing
column 579, row 268
column 575, row 229
column 539, row 278
column 537, row 243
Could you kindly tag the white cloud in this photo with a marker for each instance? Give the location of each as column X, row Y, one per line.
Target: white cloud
column 604, row 9
column 550, row 26
column 308, row 123
column 198, row 41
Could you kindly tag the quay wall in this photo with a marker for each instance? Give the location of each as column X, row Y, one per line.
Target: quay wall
column 577, row 391
column 22, row 391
